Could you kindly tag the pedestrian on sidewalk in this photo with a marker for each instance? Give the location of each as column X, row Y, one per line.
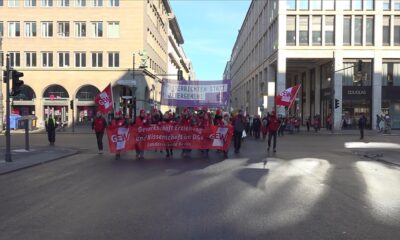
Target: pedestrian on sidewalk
column 308, row 123
column 239, row 124
column 99, row 125
column 51, row 126
column 362, row 122
column 273, row 127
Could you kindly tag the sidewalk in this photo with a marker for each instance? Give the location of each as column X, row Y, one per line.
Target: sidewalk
column 383, row 155
column 23, row 159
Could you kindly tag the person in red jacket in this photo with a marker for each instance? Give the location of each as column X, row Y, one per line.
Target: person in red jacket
column 141, row 121
column 273, row 127
column 117, row 122
column 99, row 125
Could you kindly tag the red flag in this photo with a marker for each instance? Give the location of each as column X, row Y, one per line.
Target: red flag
column 120, row 139
column 287, row 97
column 104, row 100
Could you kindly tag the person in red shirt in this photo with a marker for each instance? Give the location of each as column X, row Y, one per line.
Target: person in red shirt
column 186, row 120
column 273, row 127
column 169, row 119
column 204, row 122
column 99, row 125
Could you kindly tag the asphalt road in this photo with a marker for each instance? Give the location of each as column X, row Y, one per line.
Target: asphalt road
column 312, row 188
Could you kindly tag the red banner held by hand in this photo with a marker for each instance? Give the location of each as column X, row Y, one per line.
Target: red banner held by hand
column 104, row 100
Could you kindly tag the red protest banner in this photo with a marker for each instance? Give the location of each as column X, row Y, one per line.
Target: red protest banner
column 120, row 139
column 173, row 136
column 104, row 100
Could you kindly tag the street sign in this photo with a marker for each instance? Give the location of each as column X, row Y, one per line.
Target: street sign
column 127, row 82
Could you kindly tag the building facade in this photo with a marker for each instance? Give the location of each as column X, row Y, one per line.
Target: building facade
column 72, row 49
column 338, row 50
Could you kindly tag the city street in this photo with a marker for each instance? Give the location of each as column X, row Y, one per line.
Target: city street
column 317, row 186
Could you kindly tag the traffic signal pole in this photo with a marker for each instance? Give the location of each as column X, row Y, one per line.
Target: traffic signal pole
column 8, row 136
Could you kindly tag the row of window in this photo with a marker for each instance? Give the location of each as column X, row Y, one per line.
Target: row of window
column 356, row 5
column 64, row 29
column 47, row 59
column 60, row 3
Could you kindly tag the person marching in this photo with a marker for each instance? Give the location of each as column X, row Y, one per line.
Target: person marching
column 256, row 126
column 117, row 122
column 186, row 120
column 51, row 126
column 204, row 122
column 141, row 121
column 264, row 126
column 239, row 124
column 225, row 123
column 168, row 119
column 273, row 127
column 99, row 125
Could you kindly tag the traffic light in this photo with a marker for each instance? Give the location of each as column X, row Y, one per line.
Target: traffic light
column 4, row 76
column 16, row 83
column 71, row 104
column 336, row 103
column 359, row 66
column 180, row 75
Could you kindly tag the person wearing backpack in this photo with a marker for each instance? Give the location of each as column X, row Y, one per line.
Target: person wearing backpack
column 99, row 125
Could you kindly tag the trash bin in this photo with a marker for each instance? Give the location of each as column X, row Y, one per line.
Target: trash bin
column 14, row 118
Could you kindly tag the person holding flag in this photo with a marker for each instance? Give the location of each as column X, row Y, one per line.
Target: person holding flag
column 273, row 127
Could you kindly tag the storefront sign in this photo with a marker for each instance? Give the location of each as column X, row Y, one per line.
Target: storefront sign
column 391, row 92
column 326, row 93
column 356, row 93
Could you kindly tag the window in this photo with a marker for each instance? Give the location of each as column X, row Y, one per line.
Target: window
column 80, row 3
column 330, row 30
column 347, row 30
column 30, row 59
column 30, row 3
column 358, row 30
column 63, row 59
column 391, row 74
column 386, row 5
column 396, row 29
column 1, row 59
column 369, row 4
column 291, row 4
column 1, row 29
column 47, row 3
column 13, row 3
column 63, row 29
column 349, row 78
column 30, row 29
column 80, row 29
column 97, row 3
column 369, row 34
column 47, row 59
column 291, row 30
column 113, row 29
column 97, row 29
column 303, row 31
column 396, row 5
column 357, row 5
column 1, row 4
column 97, row 59
column 386, row 30
column 113, row 59
column 80, row 59
column 316, row 4
column 113, row 3
column 316, row 30
column 346, row 4
column 329, row 4
column 303, row 4
column 14, row 29
column 47, row 29
column 64, row 3
column 15, row 59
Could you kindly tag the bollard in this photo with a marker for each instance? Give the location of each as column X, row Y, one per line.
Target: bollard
column 26, row 123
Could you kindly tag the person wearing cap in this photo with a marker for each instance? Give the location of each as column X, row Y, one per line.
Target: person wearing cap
column 99, row 125
column 273, row 127
column 140, row 121
column 117, row 122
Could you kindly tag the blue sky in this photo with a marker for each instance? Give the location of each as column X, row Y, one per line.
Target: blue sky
column 209, row 28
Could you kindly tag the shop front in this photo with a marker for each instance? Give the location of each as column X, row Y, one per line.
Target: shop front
column 55, row 103
column 356, row 102
column 391, row 104
column 85, row 105
column 24, row 103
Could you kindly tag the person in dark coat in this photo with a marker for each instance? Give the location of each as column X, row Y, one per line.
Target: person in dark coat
column 99, row 125
column 239, row 124
column 257, row 126
column 51, row 126
column 362, row 122
column 273, row 127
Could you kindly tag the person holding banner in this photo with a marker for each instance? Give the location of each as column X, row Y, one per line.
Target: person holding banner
column 239, row 124
column 226, row 122
column 118, row 122
column 186, row 120
column 141, row 121
column 204, row 121
column 99, row 125
column 168, row 119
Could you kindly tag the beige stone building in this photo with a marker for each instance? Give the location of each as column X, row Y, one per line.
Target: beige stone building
column 72, row 49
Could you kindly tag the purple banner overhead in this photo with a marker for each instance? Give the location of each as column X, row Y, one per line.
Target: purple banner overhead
column 213, row 94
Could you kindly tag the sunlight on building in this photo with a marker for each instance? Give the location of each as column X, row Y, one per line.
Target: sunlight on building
column 384, row 145
column 383, row 201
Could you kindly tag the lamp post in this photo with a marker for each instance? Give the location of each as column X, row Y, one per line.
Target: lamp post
column 1, row 88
